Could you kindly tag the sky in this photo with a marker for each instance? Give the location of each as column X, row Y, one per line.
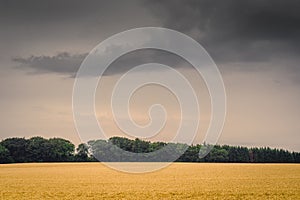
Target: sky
column 254, row 43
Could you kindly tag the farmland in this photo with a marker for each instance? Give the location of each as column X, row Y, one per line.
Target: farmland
column 177, row 181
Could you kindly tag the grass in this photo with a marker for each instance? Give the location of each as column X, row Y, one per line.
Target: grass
column 178, row 181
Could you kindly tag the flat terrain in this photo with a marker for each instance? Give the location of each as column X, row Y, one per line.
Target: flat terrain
column 178, row 181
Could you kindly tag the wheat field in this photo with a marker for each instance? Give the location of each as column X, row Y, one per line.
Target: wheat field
column 177, row 181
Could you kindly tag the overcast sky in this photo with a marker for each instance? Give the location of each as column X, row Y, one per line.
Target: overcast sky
column 255, row 44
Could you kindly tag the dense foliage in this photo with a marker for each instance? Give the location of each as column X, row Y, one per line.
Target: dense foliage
column 38, row 149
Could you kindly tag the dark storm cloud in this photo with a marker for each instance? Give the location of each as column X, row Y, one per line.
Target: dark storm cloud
column 68, row 64
column 63, row 63
column 235, row 30
column 35, row 11
column 231, row 30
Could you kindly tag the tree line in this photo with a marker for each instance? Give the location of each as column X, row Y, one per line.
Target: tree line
column 39, row 149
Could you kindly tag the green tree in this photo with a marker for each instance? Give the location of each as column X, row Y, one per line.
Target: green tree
column 122, row 142
column 82, row 154
column 218, row 154
column 17, row 148
column 140, row 146
column 38, row 149
column 5, row 155
column 61, row 150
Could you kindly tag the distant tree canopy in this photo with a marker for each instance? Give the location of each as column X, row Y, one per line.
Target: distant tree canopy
column 38, row 149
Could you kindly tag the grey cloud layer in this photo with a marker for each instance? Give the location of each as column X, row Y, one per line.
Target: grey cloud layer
column 61, row 63
column 237, row 30
column 67, row 64
column 231, row 31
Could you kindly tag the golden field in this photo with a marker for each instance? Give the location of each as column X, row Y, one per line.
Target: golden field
column 177, row 181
